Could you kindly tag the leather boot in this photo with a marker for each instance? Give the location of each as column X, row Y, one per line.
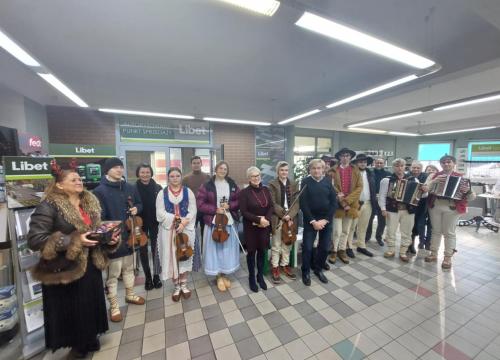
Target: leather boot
column 333, row 257
column 276, row 275
column 148, row 284
column 251, row 273
column 260, row 271
column 343, row 256
column 157, row 282
column 114, row 310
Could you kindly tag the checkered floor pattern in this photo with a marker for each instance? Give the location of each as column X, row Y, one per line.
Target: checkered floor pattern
column 373, row 308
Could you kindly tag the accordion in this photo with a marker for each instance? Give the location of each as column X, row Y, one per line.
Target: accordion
column 450, row 187
column 407, row 192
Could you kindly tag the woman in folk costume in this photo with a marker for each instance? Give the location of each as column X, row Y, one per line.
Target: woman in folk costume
column 176, row 213
column 221, row 259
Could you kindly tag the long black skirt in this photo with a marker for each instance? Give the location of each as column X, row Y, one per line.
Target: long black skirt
column 75, row 313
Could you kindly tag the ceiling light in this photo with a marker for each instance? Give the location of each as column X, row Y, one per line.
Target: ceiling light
column 403, row 133
column 297, row 117
column 364, row 130
column 55, row 82
column 264, row 7
column 468, row 102
column 459, row 131
column 234, row 121
column 373, row 91
column 356, row 38
column 388, row 118
column 147, row 113
column 16, row 51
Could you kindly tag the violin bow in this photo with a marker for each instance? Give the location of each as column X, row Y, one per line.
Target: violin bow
column 294, row 201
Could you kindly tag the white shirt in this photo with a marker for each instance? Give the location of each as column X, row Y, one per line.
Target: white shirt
column 285, row 204
column 365, row 193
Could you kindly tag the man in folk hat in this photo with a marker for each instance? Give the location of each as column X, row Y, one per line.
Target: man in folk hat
column 367, row 202
column 348, row 185
column 113, row 193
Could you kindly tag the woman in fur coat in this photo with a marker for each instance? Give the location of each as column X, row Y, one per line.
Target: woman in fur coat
column 70, row 265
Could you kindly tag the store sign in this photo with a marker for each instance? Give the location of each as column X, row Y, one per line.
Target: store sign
column 79, row 150
column 270, row 145
column 24, row 167
column 169, row 131
column 484, row 151
column 29, row 143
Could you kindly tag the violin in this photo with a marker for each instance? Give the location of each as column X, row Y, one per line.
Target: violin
column 220, row 233
column 288, row 233
column 134, row 225
column 183, row 251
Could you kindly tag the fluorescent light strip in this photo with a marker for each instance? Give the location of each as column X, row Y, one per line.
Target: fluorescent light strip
column 356, row 38
column 15, row 50
column 389, row 118
column 147, row 113
column 55, row 82
column 373, row 91
column 234, row 121
column 364, row 130
column 468, row 102
column 403, row 133
column 264, row 7
column 301, row 116
column 462, row 130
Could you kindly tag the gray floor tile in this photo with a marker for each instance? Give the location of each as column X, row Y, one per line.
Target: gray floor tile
column 200, row 346
column 132, row 334
column 248, row 348
column 154, row 304
column 211, row 311
column 221, row 296
column 330, row 299
column 250, row 312
column 304, row 308
column 343, row 309
column 297, row 285
column 216, row 323
column 285, row 333
column 366, row 299
column 243, row 301
column 173, row 322
column 272, row 293
column 207, row 356
column 274, row 319
column 240, row 331
column 353, row 290
column 279, row 302
column 190, row 304
column 373, row 283
column 387, row 291
column 131, row 350
column 306, row 293
column 350, row 279
column 316, row 320
column 155, row 314
column 175, row 336
column 157, row 355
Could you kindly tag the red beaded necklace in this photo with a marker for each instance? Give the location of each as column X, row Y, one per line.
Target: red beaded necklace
column 262, row 204
column 175, row 193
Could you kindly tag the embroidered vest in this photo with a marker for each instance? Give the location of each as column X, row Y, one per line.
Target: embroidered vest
column 183, row 205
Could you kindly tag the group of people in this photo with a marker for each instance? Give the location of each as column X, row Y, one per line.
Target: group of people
column 336, row 203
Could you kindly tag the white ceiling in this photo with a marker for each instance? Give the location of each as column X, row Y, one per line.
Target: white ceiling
column 204, row 57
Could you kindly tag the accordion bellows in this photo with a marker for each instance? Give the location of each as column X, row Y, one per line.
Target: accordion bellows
column 450, row 188
column 407, row 192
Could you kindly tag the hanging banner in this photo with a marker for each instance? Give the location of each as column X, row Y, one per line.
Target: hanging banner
column 82, row 150
column 484, row 151
column 165, row 131
column 270, row 147
column 26, row 179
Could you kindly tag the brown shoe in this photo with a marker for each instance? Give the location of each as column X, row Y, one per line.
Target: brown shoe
column 275, row 275
column 332, row 258
column 404, row 258
column 176, row 295
column 431, row 258
column 114, row 310
column 343, row 256
column 446, row 263
column 389, row 254
column 186, row 293
column 287, row 270
column 134, row 299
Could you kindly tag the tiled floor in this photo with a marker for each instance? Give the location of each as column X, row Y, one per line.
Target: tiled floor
column 372, row 308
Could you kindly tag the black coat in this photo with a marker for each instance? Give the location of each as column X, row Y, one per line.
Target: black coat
column 373, row 193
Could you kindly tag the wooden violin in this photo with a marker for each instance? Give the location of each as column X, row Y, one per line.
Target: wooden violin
column 289, row 232
column 134, row 225
column 219, row 233
column 183, row 251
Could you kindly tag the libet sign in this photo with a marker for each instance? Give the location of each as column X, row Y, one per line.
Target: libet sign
column 484, row 151
column 81, row 150
column 23, row 167
column 169, row 131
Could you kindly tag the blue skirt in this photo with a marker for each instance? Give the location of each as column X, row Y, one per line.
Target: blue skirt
column 221, row 258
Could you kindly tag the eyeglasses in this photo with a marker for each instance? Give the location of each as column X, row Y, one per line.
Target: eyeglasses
column 255, row 176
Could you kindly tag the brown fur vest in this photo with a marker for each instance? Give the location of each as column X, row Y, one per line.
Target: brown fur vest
column 55, row 230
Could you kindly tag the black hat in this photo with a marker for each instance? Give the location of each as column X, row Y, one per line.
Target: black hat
column 361, row 157
column 111, row 163
column 343, row 151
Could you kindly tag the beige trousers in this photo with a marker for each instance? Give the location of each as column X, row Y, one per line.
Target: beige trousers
column 404, row 221
column 341, row 228
column 444, row 223
column 278, row 248
column 360, row 225
column 123, row 266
